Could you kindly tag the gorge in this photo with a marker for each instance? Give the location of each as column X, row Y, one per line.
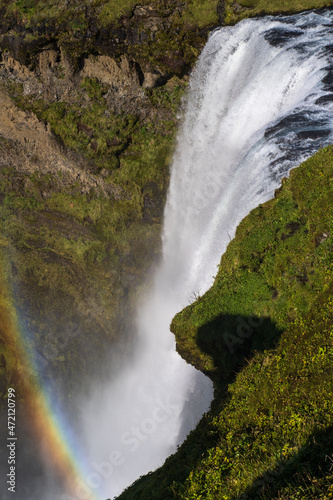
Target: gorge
column 258, row 103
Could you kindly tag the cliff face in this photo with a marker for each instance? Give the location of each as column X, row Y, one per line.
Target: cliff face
column 85, row 149
column 89, row 97
column 159, row 38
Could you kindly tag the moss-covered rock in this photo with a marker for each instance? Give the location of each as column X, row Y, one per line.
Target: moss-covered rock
column 84, row 163
column 80, row 224
column 263, row 332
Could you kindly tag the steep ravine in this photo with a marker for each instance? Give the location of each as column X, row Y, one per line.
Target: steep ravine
column 89, row 109
column 90, row 96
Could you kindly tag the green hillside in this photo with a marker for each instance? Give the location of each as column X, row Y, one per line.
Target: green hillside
column 86, row 143
column 264, row 334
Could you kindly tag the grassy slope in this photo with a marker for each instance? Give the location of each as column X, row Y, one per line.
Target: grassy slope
column 264, row 333
column 87, row 236
column 235, row 11
column 106, row 11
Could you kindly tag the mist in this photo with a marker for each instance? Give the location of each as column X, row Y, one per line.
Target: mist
column 252, row 112
column 249, row 96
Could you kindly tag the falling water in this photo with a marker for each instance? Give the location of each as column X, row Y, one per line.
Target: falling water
column 259, row 102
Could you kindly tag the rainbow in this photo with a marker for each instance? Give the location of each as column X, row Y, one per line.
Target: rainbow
column 45, row 424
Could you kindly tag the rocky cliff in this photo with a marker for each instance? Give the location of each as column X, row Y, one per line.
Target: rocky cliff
column 90, row 93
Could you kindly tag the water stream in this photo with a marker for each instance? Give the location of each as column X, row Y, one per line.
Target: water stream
column 260, row 101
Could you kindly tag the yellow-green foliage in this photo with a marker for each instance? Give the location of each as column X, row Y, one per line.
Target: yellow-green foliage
column 111, row 10
column 202, row 13
column 269, row 434
column 71, row 247
column 199, row 13
column 105, row 11
column 235, row 11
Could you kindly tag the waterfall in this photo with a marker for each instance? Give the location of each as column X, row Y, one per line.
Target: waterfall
column 259, row 102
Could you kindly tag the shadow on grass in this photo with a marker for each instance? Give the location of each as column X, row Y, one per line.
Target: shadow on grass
column 304, row 473
column 231, row 341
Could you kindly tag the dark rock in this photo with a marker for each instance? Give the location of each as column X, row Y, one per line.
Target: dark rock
column 221, row 10
column 113, row 142
column 280, row 36
column 313, row 134
column 88, row 131
column 325, row 99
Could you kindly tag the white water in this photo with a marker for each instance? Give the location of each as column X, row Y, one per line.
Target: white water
column 224, row 166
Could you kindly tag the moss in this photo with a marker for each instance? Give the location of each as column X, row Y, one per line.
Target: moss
column 79, row 252
column 263, row 332
column 77, row 258
column 276, row 251
column 167, row 36
column 75, row 252
column 202, row 13
column 236, row 11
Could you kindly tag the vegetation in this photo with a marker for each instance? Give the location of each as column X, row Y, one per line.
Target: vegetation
column 264, row 334
column 166, row 36
column 77, row 255
column 235, row 11
column 76, row 15
column 109, row 139
column 105, row 11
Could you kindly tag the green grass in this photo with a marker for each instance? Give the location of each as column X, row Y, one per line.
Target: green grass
column 106, row 11
column 202, row 13
column 264, row 334
column 70, row 254
column 196, row 13
column 234, row 12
